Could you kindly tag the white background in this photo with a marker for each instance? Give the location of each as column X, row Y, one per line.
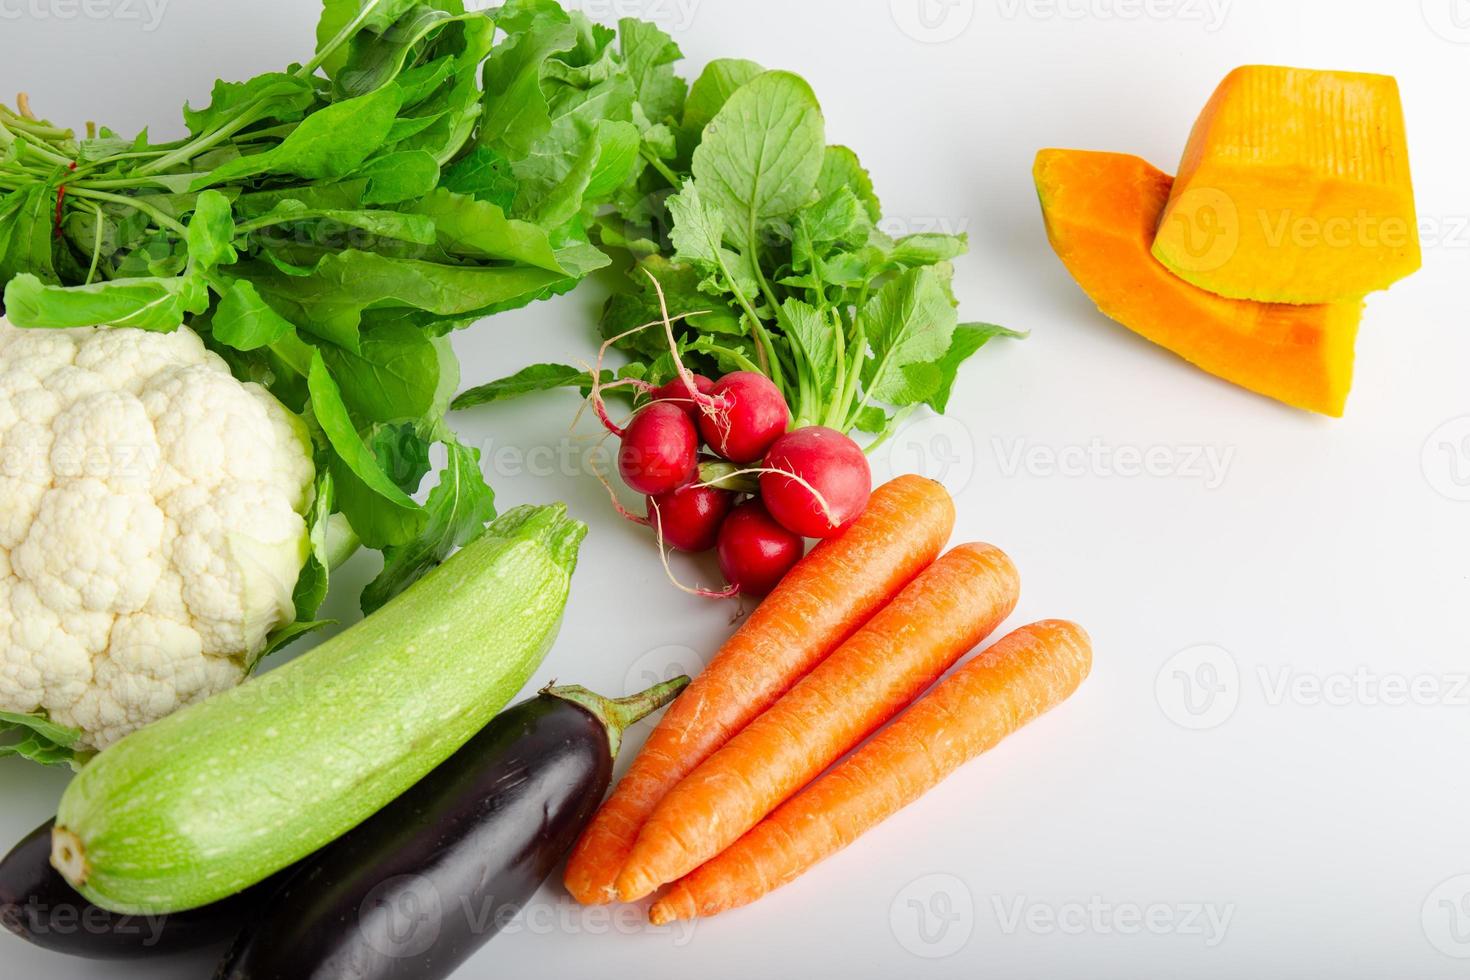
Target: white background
column 1325, row 829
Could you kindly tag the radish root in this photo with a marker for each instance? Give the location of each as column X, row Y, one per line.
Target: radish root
column 729, row 592
column 599, row 404
column 822, row 503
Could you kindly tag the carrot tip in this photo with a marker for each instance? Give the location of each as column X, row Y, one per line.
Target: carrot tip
column 678, row 904
column 633, row 889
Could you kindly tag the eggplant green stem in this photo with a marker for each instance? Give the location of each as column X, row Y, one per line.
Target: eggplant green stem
column 617, row 716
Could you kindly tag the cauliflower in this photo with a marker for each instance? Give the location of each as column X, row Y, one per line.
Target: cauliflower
column 152, row 525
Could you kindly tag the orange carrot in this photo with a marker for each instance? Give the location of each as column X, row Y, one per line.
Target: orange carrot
column 942, row 614
column 1024, row 675
column 821, row 602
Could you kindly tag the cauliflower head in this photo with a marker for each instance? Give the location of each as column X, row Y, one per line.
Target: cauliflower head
column 152, row 525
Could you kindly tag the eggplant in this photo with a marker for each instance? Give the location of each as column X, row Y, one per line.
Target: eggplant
column 417, row 888
column 38, row 905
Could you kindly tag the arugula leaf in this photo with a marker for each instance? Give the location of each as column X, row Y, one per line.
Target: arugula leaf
column 38, row 739
column 458, row 510
column 336, row 422
column 517, row 113
column 246, row 322
column 157, row 304
column 537, row 377
column 377, row 57
column 403, row 453
column 273, row 97
column 762, row 154
column 338, row 16
column 484, row 175
column 345, row 284
column 399, row 373
column 400, row 176
column 210, row 232
column 26, row 234
column 479, row 229
column 328, row 145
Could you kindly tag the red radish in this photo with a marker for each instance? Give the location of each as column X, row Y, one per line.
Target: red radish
column 690, row 517
column 660, row 450
column 755, row 551
column 831, row 485
column 676, row 392
column 753, row 416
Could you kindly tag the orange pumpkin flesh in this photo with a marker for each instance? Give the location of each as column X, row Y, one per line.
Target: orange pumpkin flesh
column 1294, row 188
column 1101, row 213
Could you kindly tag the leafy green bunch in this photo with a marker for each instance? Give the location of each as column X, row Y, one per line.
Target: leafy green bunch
column 325, row 228
column 748, row 218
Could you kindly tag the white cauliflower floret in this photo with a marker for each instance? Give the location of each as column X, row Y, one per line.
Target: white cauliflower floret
column 151, row 525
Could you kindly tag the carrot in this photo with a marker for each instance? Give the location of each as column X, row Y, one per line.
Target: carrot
column 942, row 614
column 821, row 602
column 1029, row 672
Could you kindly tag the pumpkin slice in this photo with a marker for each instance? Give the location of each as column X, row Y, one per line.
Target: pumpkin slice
column 1294, row 188
column 1101, row 210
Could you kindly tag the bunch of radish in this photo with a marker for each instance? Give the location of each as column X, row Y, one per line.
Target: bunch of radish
column 722, row 469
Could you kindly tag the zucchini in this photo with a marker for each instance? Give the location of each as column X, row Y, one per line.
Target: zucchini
column 223, row 794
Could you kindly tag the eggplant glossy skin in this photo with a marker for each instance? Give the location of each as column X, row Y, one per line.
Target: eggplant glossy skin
column 38, row 905
column 412, row 892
